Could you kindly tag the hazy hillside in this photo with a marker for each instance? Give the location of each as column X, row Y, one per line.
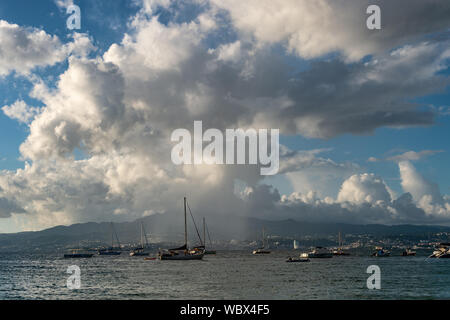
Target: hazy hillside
column 170, row 228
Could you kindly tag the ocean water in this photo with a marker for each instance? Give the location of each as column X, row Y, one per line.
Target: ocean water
column 227, row 275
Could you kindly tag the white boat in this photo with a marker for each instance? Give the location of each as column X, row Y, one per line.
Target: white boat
column 296, row 245
column 183, row 252
column 318, row 252
column 140, row 251
column 441, row 252
column 263, row 249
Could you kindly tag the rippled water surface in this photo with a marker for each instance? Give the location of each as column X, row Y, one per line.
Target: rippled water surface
column 228, row 275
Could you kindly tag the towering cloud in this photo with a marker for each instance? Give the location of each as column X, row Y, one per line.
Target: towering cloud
column 364, row 188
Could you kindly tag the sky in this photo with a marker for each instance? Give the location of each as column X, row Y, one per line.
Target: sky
column 86, row 115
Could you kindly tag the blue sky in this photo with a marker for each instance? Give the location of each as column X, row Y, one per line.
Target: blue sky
column 106, row 22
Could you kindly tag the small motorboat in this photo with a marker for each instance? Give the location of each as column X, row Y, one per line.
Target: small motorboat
column 261, row 251
column 380, row 252
column 290, row 259
column 318, row 252
column 138, row 252
column 150, row 258
column 340, row 252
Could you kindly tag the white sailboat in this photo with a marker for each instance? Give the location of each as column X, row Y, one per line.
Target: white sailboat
column 263, row 249
column 183, row 252
column 140, row 251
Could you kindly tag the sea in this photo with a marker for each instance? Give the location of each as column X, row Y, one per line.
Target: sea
column 226, row 275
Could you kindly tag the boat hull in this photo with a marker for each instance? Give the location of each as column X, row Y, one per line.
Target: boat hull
column 320, row 255
column 441, row 253
column 78, row 255
column 138, row 254
column 181, row 257
column 109, row 253
column 259, row 251
column 381, row 255
column 298, row 260
column 441, row 256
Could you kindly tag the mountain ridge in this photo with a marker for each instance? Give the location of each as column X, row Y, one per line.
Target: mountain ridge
column 169, row 228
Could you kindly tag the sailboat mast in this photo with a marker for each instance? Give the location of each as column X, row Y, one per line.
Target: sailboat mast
column 264, row 238
column 204, row 232
column 142, row 235
column 185, row 223
column 112, row 235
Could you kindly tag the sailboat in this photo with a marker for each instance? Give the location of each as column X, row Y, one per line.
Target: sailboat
column 140, row 251
column 263, row 249
column 183, row 253
column 111, row 251
column 339, row 251
column 205, row 228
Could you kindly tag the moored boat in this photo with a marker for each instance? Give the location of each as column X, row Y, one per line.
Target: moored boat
column 339, row 251
column 442, row 251
column 183, row 252
column 408, row 252
column 111, row 251
column 380, row 252
column 263, row 249
column 140, row 251
column 76, row 253
column 318, row 253
column 290, row 259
